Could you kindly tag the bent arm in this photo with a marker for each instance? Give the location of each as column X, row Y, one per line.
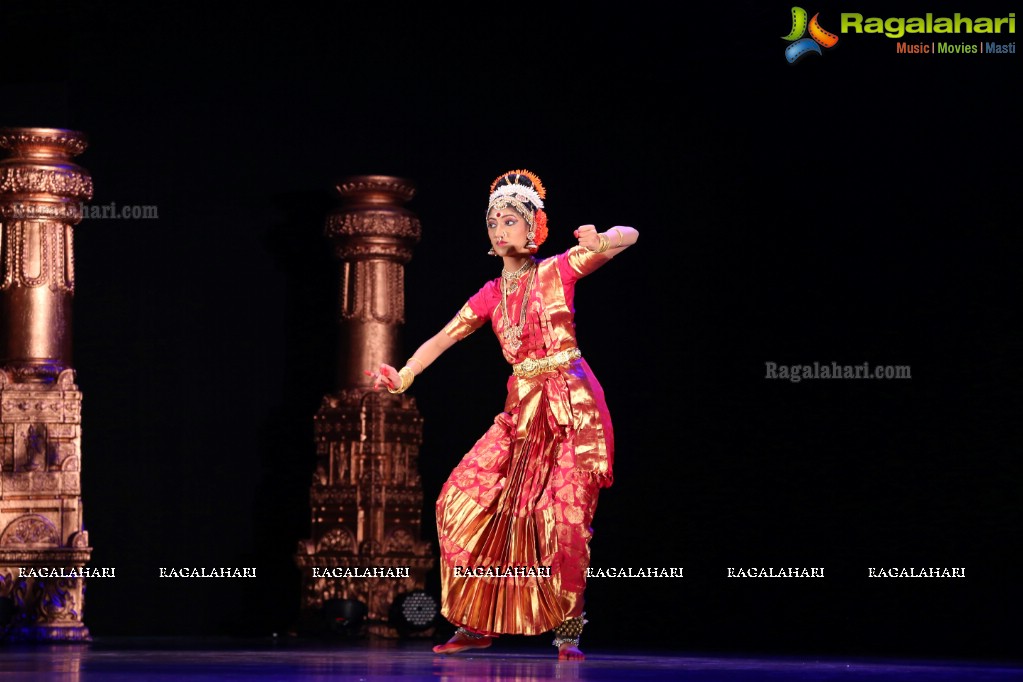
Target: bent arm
column 620, row 238
column 617, row 239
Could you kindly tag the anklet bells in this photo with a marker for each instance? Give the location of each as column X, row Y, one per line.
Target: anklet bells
column 469, row 633
column 569, row 631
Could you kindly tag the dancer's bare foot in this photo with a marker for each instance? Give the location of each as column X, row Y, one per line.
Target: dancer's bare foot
column 569, row 652
column 462, row 641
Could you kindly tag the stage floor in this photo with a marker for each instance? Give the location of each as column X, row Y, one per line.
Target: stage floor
column 169, row 660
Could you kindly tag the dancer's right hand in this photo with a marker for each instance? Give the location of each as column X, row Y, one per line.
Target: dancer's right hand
column 386, row 377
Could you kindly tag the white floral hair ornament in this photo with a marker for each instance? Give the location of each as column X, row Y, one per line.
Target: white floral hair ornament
column 521, row 190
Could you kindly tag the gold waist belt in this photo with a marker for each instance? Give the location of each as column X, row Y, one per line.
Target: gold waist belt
column 531, row 367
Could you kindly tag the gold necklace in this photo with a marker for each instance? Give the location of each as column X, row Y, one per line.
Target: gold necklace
column 511, row 279
column 511, row 333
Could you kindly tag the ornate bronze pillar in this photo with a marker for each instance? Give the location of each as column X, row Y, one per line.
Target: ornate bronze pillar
column 366, row 495
column 43, row 547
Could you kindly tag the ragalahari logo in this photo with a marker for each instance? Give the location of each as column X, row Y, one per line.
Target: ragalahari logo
column 802, row 46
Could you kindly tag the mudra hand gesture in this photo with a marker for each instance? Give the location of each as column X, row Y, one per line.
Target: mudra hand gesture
column 588, row 237
column 600, row 242
column 385, row 377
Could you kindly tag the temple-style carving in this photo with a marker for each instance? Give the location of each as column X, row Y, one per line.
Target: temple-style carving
column 41, row 531
column 366, row 496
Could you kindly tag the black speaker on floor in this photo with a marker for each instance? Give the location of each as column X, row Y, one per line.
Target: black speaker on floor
column 343, row 617
column 413, row 612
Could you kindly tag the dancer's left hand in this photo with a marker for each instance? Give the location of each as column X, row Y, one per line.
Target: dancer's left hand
column 587, row 236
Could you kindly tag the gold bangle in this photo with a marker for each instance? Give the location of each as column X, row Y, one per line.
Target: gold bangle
column 422, row 367
column 621, row 237
column 604, row 243
column 407, row 377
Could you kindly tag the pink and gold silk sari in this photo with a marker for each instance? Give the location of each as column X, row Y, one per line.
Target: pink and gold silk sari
column 525, row 494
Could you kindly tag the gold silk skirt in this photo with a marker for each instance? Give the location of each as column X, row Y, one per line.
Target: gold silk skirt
column 519, row 499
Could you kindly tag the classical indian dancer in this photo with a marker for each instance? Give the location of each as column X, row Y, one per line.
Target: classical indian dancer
column 513, row 518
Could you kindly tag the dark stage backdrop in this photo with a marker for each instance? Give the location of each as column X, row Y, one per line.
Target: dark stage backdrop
column 857, row 206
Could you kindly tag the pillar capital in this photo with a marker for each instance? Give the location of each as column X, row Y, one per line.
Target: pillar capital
column 372, row 221
column 38, row 179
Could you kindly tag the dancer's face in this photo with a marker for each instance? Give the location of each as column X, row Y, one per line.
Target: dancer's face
column 507, row 231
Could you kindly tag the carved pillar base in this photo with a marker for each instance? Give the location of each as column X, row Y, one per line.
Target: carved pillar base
column 43, row 547
column 366, row 500
column 46, row 609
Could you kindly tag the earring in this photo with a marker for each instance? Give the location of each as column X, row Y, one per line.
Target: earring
column 491, row 252
column 530, row 246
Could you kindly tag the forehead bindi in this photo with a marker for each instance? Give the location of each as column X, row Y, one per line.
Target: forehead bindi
column 503, row 214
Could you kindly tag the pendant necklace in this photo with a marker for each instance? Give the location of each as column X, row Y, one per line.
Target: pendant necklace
column 512, row 333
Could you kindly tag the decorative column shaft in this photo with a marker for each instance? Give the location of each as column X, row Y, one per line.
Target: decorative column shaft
column 366, row 494
column 43, row 547
column 373, row 236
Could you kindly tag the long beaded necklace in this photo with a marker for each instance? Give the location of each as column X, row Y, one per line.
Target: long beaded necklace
column 512, row 333
column 511, row 279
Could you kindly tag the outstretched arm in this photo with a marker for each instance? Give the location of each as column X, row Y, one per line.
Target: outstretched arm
column 612, row 242
column 387, row 376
